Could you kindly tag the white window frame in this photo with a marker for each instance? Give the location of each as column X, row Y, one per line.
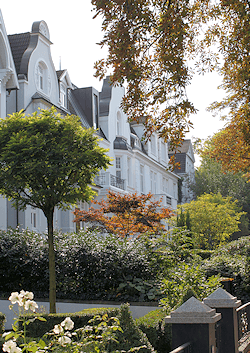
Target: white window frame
column 118, row 167
column 142, row 179
column 63, row 95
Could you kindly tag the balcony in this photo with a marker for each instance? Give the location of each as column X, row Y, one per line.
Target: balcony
column 107, row 179
column 166, row 200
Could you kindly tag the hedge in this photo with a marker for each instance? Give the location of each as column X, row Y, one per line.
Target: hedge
column 157, row 331
column 2, row 322
column 88, row 266
column 39, row 328
column 131, row 336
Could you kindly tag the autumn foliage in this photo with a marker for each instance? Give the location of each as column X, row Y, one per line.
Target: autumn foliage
column 231, row 148
column 126, row 215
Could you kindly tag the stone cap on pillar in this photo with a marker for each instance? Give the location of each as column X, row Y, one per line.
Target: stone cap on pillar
column 193, row 312
column 222, row 299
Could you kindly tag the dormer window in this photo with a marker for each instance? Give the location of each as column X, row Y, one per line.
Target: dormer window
column 63, row 95
column 42, row 78
column 137, row 142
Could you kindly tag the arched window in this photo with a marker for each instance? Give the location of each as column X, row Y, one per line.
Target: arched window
column 42, row 77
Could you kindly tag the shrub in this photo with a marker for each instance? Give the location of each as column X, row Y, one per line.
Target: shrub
column 157, row 331
column 186, row 279
column 2, row 322
column 131, row 335
column 39, row 328
column 89, row 266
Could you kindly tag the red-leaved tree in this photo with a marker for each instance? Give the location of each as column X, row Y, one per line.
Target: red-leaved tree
column 126, row 215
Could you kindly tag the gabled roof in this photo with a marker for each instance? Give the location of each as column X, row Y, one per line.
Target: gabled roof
column 186, row 148
column 60, row 73
column 19, row 43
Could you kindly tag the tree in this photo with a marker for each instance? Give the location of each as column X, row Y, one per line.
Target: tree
column 211, row 177
column 230, row 148
column 126, row 215
column 232, row 32
column 147, row 41
column 213, row 219
column 156, row 46
column 48, row 161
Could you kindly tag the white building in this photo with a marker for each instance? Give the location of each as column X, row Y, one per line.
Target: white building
column 137, row 167
column 8, row 83
column 185, row 157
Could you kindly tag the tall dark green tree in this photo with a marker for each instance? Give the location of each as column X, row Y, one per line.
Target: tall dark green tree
column 48, row 161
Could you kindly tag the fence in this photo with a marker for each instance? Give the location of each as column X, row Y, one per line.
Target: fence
column 219, row 324
column 185, row 348
column 243, row 319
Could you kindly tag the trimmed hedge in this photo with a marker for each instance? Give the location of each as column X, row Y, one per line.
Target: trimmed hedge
column 131, row 336
column 2, row 322
column 157, row 331
column 39, row 328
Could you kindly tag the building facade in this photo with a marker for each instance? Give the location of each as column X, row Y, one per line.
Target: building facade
column 34, row 83
column 185, row 157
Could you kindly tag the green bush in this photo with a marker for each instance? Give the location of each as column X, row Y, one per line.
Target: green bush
column 157, row 331
column 39, row 328
column 131, row 336
column 232, row 261
column 2, row 322
column 88, row 266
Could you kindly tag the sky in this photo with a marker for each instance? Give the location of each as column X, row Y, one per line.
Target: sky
column 74, row 34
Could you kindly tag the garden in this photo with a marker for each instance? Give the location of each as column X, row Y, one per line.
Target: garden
column 166, row 269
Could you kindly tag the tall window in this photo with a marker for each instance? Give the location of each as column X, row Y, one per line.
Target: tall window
column 153, row 184
column 40, row 77
column 163, row 151
column 153, row 145
column 33, row 219
column 142, row 178
column 118, row 167
column 63, row 95
column 118, row 124
column 95, row 112
column 129, row 171
column 164, row 184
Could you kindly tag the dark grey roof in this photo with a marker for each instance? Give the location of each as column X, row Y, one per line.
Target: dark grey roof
column 105, row 97
column 19, row 43
column 121, row 144
column 76, row 109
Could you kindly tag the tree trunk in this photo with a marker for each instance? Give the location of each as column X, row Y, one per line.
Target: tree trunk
column 52, row 270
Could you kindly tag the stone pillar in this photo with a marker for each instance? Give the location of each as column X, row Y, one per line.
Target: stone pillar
column 194, row 322
column 226, row 304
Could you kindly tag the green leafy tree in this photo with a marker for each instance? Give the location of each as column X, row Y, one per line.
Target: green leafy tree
column 210, row 177
column 48, row 161
column 214, row 219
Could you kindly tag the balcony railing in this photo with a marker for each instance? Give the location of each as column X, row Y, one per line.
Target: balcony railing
column 117, row 182
column 109, row 179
